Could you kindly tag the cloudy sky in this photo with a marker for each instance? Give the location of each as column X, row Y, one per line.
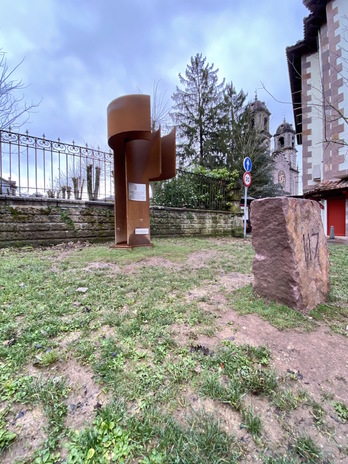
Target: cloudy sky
column 81, row 54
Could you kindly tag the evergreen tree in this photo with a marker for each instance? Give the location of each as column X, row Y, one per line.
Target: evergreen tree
column 232, row 125
column 239, row 139
column 197, row 114
column 215, row 130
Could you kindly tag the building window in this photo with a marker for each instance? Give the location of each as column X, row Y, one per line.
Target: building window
column 265, row 123
column 281, row 142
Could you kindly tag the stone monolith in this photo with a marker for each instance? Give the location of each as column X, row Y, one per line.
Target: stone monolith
column 291, row 265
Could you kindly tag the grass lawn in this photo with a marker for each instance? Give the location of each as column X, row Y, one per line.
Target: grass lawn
column 103, row 359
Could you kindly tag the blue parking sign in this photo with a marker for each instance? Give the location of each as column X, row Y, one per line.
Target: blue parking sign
column 247, row 164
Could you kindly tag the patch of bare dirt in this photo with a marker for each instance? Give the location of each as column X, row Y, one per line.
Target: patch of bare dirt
column 183, row 334
column 193, row 403
column 71, row 337
column 85, row 395
column 235, row 280
column 198, row 259
column 155, row 261
column 197, row 294
column 211, row 299
column 301, row 420
column 104, row 332
column 194, row 260
column 160, row 262
column 232, row 423
column 66, row 249
column 76, row 376
column 28, row 424
column 271, row 433
column 100, row 265
column 132, row 268
column 211, row 292
column 228, row 240
column 210, row 296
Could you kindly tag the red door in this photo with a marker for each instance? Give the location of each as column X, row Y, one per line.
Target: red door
column 336, row 215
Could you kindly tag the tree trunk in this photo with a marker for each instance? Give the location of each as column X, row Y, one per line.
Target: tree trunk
column 93, row 195
column 77, row 187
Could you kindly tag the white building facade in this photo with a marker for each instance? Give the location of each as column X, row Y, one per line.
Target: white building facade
column 318, row 71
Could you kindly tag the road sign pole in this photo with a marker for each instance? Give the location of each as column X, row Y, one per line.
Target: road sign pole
column 245, row 209
column 247, row 164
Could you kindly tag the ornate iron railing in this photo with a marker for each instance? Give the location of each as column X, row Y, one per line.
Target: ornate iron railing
column 35, row 167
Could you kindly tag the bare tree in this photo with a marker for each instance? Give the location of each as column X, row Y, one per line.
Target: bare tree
column 78, row 170
column 12, row 105
column 159, row 108
column 93, row 192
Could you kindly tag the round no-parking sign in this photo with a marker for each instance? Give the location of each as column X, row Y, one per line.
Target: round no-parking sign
column 247, row 179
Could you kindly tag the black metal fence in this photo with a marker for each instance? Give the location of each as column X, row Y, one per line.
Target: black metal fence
column 191, row 190
column 36, row 167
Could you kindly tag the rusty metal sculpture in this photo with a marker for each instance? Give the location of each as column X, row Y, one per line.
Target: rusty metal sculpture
column 140, row 156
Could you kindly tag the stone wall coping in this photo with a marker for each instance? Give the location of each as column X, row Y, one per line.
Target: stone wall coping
column 39, row 201
column 191, row 210
column 57, row 202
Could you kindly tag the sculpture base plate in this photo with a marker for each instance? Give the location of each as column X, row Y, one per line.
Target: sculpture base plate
column 125, row 245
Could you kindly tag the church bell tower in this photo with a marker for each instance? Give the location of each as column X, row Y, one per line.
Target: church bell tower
column 260, row 120
column 285, row 170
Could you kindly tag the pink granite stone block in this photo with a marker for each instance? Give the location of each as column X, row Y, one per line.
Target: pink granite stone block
column 291, row 265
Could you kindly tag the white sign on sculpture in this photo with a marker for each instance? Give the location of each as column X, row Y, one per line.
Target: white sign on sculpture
column 137, row 192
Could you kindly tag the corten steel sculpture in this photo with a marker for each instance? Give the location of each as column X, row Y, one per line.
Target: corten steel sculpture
column 140, row 156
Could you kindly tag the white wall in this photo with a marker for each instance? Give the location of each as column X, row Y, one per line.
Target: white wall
column 342, row 17
column 316, row 114
column 324, row 215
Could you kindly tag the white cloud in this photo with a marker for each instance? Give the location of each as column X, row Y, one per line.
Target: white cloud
column 81, row 55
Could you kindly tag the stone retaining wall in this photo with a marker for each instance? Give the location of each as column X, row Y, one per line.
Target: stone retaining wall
column 178, row 221
column 31, row 221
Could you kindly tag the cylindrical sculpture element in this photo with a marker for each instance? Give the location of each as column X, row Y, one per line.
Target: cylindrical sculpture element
column 139, row 156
